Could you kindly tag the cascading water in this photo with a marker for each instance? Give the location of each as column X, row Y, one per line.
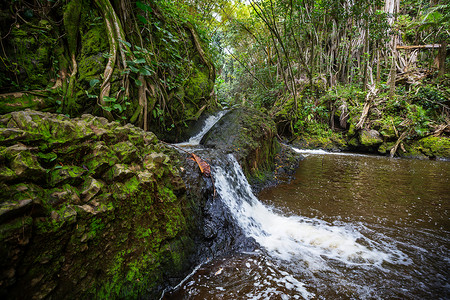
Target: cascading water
column 309, row 244
column 290, row 237
column 353, row 252
column 209, row 123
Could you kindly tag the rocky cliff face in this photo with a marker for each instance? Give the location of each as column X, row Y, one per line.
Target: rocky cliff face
column 91, row 209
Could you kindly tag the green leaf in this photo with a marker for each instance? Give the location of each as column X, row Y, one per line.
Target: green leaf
column 118, row 107
column 134, row 69
column 145, row 71
column 143, row 6
column 142, row 19
column 93, row 82
column 89, row 95
column 139, row 61
column 125, row 43
column 109, row 99
column 138, row 82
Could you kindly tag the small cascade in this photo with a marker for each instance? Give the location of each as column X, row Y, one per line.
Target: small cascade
column 313, row 241
column 209, row 123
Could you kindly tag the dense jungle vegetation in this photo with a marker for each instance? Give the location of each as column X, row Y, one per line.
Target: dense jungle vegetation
column 369, row 75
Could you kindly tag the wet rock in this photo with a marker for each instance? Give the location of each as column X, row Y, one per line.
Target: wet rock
column 11, row 209
column 126, row 152
column 428, row 147
column 24, row 120
column 24, row 164
column 100, row 159
column 250, row 135
column 11, row 135
column 66, row 193
column 146, row 177
column 6, row 174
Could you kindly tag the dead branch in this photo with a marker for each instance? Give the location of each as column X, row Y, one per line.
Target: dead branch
column 400, row 139
column 367, row 105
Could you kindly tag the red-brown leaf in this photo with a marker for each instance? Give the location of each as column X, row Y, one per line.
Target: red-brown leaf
column 203, row 165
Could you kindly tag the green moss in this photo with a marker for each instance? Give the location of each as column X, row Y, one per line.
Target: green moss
column 131, row 185
column 433, row 146
column 166, row 194
column 66, row 174
column 96, row 227
column 370, row 138
column 385, row 148
column 71, row 23
column 20, row 101
column 127, row 228
column 325, row 140
column 126, row 152
column 32, row 57
column 353, row 142
column 93, row 41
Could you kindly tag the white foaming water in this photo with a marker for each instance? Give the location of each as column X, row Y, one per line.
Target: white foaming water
column 307, row 152
column 298, row 238
column 209, row 123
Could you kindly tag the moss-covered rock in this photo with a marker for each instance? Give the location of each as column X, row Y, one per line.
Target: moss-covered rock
column 431, row 146
column 370, row 138
column 333, row 142
column 89, row 209
column 250, row 135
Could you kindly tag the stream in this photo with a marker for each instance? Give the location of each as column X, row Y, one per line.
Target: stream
column 348, row 226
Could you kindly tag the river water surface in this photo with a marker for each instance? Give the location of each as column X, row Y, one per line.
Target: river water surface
column 347, row 227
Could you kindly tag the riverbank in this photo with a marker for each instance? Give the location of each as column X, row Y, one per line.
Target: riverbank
column 430, row 147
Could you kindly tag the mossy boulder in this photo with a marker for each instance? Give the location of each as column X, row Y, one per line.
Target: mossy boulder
column 250, row 135
column 431, row 146
column 370, row 138
column 330, row 141
column 90, row 209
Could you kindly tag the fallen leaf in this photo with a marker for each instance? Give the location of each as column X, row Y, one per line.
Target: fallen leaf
column 203, row 165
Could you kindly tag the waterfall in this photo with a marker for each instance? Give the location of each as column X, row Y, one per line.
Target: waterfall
column 209, row 123
column 293, row 238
